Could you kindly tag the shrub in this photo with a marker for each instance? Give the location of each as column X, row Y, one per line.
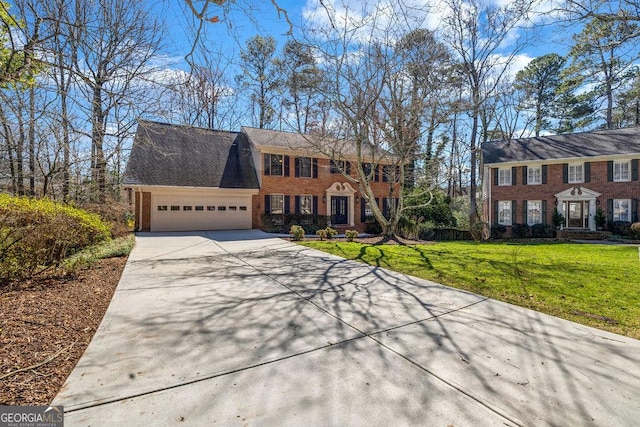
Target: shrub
column 520, row 231
column 542, row 231
column 479, row 230
column 498, row 231
column 558, row 218
column 350, row 235
column 620, row 228
column 322, row 234
column 408, row 228
column 331, row 233
column 37, row 233
column 425, row 232
column 635, row 230
column 297, row 232
column 372, row 226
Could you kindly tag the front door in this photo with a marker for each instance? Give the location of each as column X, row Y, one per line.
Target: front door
column 339, row 209
column 577, row 214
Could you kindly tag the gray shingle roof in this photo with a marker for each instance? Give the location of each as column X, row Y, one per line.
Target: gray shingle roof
column 567, row 146
column 183, row 156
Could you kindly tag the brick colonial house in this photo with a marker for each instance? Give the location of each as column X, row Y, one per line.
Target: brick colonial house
column 183, row 178
column 526, row 179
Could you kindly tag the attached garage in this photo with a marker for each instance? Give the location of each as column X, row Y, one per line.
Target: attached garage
column 189, row 179
column 200, row 211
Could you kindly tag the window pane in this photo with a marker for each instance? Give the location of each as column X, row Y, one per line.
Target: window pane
column 621, row 210
column 534, row 212
column 305, row 205
column 305, row 167
column 276, row 164
column 504, row 176
column 277, row 203
column 534, row 175
column 504, row 212
column 575, row 174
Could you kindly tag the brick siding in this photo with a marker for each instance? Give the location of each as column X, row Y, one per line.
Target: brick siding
column 295, row 186
column 520, row 192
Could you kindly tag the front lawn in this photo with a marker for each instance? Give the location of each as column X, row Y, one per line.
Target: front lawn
column 596, row 285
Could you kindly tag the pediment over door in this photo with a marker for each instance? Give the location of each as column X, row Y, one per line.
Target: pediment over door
column 577, row 192
column 339, row 188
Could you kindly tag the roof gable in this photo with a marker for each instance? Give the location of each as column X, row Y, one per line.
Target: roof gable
column 164, row 154
column 567, row 146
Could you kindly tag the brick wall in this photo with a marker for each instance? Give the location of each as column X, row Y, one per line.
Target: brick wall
column 598, row 182
column 293, row 186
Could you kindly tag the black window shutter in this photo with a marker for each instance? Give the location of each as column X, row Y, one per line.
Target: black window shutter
column 514, row 212
column 314, row 162
column 267, row 164
column 610, row 210
column 634, row 169
column 514, row 176
column 565, row 173
column 634, row 210
column 544, row 211
column 524, row 212
column 385, row 207
column 286, row 166
column 267, row 204
column 297, row 205
column 377, row 201
column 495, row 176
column 496, row 219
column 524, row 175
column 377, row 174
column 544, row 174
column 385, row 174
column 297, row 166
column 348, row 167
column 363, row 214
column 315, row 205
column 610, row 173
column 287, row 202
column 587, row 172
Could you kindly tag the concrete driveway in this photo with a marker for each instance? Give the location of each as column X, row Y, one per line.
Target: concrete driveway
column 238, row 328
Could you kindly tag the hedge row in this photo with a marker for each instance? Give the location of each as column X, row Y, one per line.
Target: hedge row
column 38, row 233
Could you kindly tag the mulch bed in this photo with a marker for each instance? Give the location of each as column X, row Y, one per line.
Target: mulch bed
column 45, row 326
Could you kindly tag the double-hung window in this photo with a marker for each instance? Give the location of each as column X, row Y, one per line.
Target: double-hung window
column 306, row 205
column 621, row 171
column 534, row 175
column 622, row 210
column 504, row 212
column 273, row 164
column 504, row 176
column 277, row 204
column 304, row 167
column 576, row 173
column 534, row 212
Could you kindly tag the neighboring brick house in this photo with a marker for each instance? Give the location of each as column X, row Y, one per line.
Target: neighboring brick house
column 526, row 179
column 185, row 178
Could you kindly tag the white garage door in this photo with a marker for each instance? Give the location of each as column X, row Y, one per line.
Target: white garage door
column 199, row 212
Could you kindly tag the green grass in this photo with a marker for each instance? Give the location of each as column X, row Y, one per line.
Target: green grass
column 596, row 285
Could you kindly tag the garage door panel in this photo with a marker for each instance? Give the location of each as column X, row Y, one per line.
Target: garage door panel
column 199, row 212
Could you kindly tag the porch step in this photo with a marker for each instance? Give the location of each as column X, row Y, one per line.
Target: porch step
column 583, row 234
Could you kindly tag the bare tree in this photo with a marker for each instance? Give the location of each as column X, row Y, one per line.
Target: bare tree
column 477, row 31
column 379, row 88
column 115, row 46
